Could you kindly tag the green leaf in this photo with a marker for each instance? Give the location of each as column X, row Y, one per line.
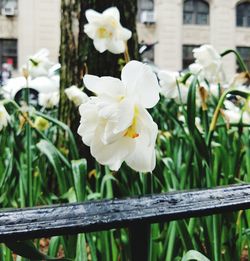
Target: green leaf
column 241, row 62
column 184, row 234
column 66, row 128
column 53, row 155
column 54, row 244
column 194, row 255
column 48, row 148
column 198, row 141
column 79, row 168
column 27, row 249
column 191, row 105
column 81, row 249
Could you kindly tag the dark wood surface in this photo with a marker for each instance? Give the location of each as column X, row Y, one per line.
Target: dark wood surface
column 92, row 216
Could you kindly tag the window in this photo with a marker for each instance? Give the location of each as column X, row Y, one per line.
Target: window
column 144, row 7
column 7, row 3
column 8, row 52
column 243, row 14
column 187, row 55
column 245, row 54
column 196, row 12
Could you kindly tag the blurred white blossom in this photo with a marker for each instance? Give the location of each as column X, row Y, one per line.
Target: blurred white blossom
column 234, row 114
column 77, row 96
column 106, row 31
column 208, row 64
column 116, row 124
column 4, row 117
column 169, row 88
column 48, row 100
column 41, row 84
column 39, row 64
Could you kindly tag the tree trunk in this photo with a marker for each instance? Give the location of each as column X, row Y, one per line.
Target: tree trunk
column 78, row 55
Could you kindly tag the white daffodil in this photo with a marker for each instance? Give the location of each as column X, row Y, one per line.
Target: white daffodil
column 169, row 87
column 48, row 100
column 208, row 63
column 106, row 31
column 39, row 64
column 4, row 117
column 75, row 95
column 234, row 114
column 115, row 123
column 45, row 84
column 40, row 84
column 197, row 69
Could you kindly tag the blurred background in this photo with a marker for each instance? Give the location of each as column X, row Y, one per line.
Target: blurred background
column 169, row 29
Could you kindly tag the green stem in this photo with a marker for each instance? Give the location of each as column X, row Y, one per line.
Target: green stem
column 216, row 251
column 242, row 64
column 234, row 91
column 28, row 135
column 215, row 117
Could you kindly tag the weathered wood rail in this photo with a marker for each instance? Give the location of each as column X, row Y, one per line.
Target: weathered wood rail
column 135, row 213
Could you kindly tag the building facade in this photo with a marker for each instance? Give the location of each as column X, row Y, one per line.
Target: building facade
column 177, row 26
column 27, row 26
column 181, row 25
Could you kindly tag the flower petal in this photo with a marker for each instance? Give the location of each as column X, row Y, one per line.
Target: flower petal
column 125, row 114
column 168, row 84
column 107, row 107
column 92, row 16
column 109, row 136
column 92, row 82
column 89, row 121
column 100, row 45
column 110, row 86
column 111, row 154
column 113, row 11
column 143, row 158
column 125, row 34
column 140, row 80
column 116, row 46
column 90, row 30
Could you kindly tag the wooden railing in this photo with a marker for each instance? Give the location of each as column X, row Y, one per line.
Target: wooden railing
column 135, row 213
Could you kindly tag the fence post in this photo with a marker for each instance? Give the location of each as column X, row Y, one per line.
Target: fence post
column 139, row 235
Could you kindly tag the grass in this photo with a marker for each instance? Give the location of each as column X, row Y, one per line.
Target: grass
column 34, row 171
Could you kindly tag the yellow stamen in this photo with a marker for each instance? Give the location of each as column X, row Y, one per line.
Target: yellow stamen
column 103, row 33
column 131, row 130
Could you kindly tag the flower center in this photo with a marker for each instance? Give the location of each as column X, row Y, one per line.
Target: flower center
column 1, row 115
column 34, row 62
column 131, row 131
column 102, row 33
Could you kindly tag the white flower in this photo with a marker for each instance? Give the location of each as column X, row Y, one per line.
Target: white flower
column 116, row 124
column 39, row 64
column 45, row 84
column 208, row 63
column 48, row 100
column 169, row 87
column 4, row 117
column 41, row 84
column 197, row 69
column 234, row 114
column 106, row 31
column 77, row 96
